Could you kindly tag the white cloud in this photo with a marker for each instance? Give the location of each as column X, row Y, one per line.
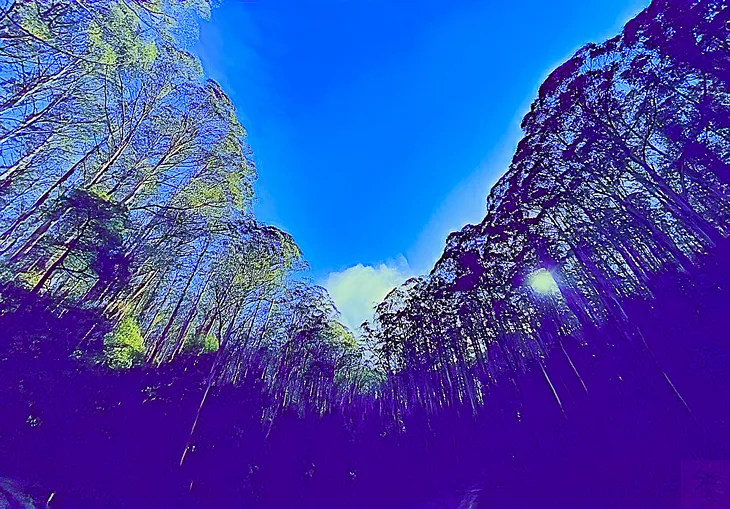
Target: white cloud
column 357, row 290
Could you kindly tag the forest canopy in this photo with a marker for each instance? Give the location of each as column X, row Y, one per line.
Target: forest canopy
column 623, row 174
column 126, row 190
column 162, row 347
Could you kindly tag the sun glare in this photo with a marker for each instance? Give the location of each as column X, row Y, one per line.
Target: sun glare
column 542, row 282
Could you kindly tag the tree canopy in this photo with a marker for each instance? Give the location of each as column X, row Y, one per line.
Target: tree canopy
column 147, row 313
column 622, row 174
column 126, row 187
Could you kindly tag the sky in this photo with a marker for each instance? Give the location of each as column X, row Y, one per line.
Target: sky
column 379, row 126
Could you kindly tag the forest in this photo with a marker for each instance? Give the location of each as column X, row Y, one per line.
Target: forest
column 162, row 347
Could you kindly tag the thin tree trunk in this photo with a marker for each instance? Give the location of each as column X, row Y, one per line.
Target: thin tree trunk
column 189, row 319
column 163, row 336
column 68, row 246
column 42, row 198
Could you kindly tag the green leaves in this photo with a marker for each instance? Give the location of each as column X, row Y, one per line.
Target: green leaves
column 101, row 50
column 123, row 346
column 117, row 37
column 148, row 54
column 30, row 19
column 199, row 344
column 127, row 189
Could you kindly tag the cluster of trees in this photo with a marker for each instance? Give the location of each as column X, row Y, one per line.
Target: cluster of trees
column 126, row 188
column 127, row 238
column 623, row 174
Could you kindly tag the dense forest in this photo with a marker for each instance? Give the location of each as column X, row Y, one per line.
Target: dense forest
column 161, row 347
column 622, row 175
column 127, row 192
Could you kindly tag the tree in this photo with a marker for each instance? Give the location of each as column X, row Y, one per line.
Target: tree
column 622, row 173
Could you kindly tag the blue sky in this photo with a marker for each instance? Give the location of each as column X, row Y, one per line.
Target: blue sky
column 378, row 126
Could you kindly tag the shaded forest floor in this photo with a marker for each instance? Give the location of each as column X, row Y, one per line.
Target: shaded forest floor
column 97, row 438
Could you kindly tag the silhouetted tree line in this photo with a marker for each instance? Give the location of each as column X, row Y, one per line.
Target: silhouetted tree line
column 622, row 175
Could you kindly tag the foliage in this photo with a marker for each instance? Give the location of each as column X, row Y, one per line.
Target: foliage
column 198, row 344
column 126, row 232
column 126, row 187
column 622, row 174
column 123, row 346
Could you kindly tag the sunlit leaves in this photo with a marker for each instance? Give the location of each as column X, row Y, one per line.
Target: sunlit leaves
column 102, row 51
column 124, row 345
column 31, row 21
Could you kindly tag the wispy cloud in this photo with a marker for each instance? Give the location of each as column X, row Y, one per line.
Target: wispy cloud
column 358, row 289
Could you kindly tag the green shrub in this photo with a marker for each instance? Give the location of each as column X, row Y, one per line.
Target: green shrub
column 197, row 344
column 210, row 344
column 123, row 346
